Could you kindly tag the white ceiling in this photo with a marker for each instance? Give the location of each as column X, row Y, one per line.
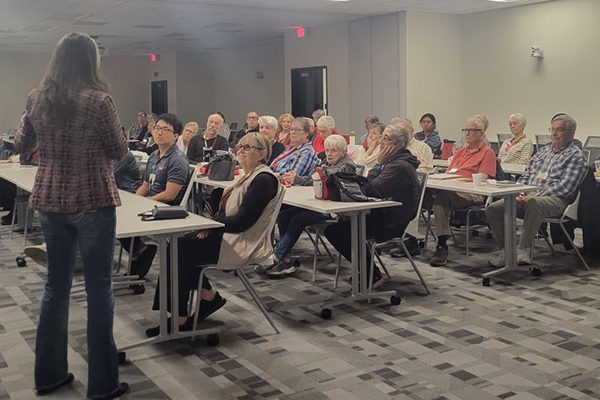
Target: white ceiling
column 145, row 26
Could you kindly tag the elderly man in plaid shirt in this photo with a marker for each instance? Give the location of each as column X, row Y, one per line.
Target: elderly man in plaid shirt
column 557, row 169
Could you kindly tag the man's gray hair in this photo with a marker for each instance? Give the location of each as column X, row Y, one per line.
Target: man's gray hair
column 479, row 122
column 336, row 142
column 519, row 117
column 571, row 123
column 318, row 113
column 326, row 122
column 216, row 115
column 269, row 120
column 400, row 120
column 398, row 134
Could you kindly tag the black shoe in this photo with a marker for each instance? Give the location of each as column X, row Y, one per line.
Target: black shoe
column 123, row 387
column 186, row 326
column 440, row 258
column 7, row 219
column 208, row 307
column 411, row 245
column 142, row 265
column 42, row 392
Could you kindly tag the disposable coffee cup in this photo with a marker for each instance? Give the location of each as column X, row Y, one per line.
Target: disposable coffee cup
column 597, row 165
column 477, row 179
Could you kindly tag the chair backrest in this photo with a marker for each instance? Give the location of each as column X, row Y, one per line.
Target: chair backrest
column 355, row 152
column 140, row 156
column 495, row 147
column 190, row 185
column 413, row 226
column 587, row 155
column 542, row 139
column 592, row 143
column 503, row 137
column 280, row 195
column 500, row 175
column 571, row 210
column 233, row 126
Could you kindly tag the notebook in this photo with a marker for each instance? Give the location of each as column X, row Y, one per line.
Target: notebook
column 444, row 176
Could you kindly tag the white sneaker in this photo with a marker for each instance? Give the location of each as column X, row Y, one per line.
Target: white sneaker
column 523, row 256
column 497, row 260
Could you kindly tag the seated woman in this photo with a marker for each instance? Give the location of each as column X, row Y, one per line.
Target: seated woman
column 268, row 127
column 293, row 220
column 245, row 209
column 428, row 134
column 519, row 149
column 325, row 128
column 283, row 132
column 373, row 146
column 299, row 156
column 395, row 176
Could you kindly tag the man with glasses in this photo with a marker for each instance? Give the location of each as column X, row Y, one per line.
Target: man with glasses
column 165, row 180
column 475, row 157
column 138, row 129
column 558, row 170
column 251, row 126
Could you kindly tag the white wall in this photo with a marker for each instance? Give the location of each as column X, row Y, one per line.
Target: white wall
column 237, row 91
column 433, row 61
column 195, row 87
column 323, row 46
column 499, row 77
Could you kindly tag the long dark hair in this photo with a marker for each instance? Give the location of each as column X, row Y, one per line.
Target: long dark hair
column 75, row 66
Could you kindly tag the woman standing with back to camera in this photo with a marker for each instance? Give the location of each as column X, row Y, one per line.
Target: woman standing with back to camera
column 75, row 192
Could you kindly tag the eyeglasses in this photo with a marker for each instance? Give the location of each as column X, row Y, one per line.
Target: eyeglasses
column 296, row 130
column 471, row 131
column 164, row 129
column 558, row 130
column 251, row 117
column 386, row 138
column 247, row 147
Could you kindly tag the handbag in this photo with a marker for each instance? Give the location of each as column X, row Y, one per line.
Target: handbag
column 221, row 168
column 164, row 212
column 346, row 187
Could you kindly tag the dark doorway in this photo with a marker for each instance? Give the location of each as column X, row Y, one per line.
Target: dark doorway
column 160, row 97
column 309, row 90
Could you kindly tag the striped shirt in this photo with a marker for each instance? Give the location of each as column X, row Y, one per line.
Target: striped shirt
column 302, row 160
column 517, row 153
column 557, row 173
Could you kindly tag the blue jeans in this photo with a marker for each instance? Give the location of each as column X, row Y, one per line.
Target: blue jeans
column 291, row 223
column 93, row 232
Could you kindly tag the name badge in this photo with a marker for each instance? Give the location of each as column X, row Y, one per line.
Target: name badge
column 453, row 170
column 152, row 179
column 543, row 175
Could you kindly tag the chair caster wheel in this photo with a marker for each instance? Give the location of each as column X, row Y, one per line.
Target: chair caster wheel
column 296, row 263
column 139, row 289
column 422, row 244
column 486, row 282
column 212, row 339
column 122, row 358
column 395, row 300
column 489, row 235
column 21, row 261
column 326, row 313
column 536, row 272
column 475, row 232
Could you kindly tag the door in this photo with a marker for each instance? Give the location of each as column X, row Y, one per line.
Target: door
column 309, row 90
column 160, row 97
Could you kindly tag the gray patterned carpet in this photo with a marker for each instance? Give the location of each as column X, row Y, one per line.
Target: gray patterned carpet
column 523, row 338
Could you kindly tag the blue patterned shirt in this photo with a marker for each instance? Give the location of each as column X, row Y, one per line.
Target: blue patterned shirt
column 557, row 173
column 301, row 160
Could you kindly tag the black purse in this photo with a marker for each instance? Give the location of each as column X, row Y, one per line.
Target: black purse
column 346, row 187
column 221, row 168
column 164, row 212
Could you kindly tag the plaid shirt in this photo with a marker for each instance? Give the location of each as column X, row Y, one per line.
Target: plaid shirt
column 565, row 169
column 301, row 160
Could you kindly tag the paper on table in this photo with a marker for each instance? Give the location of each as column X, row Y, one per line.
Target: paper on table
column 443, row 176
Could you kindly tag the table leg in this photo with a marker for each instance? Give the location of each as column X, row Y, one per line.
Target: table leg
column 510, row 238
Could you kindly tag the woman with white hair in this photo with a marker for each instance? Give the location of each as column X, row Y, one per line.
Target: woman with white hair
column 293, row 220
column 519, row 149
column 268, row 127
column 325, row 128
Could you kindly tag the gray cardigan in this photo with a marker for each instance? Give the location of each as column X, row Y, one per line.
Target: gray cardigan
column 344, row 165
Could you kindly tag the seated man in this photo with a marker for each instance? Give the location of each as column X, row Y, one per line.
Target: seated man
column 251, row 126
column 165, row 180
column 475, row 157
column 419, row 149
column 557, row 170
column 202, row 147
column 138, row 129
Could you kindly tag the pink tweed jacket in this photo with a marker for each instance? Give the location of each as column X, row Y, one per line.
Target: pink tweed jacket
column 75, row 169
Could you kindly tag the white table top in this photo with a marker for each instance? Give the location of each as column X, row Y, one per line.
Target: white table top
column 129, row 224
column 220, row 184
column 7, row 140
column 304, row 197
column 484, row 190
